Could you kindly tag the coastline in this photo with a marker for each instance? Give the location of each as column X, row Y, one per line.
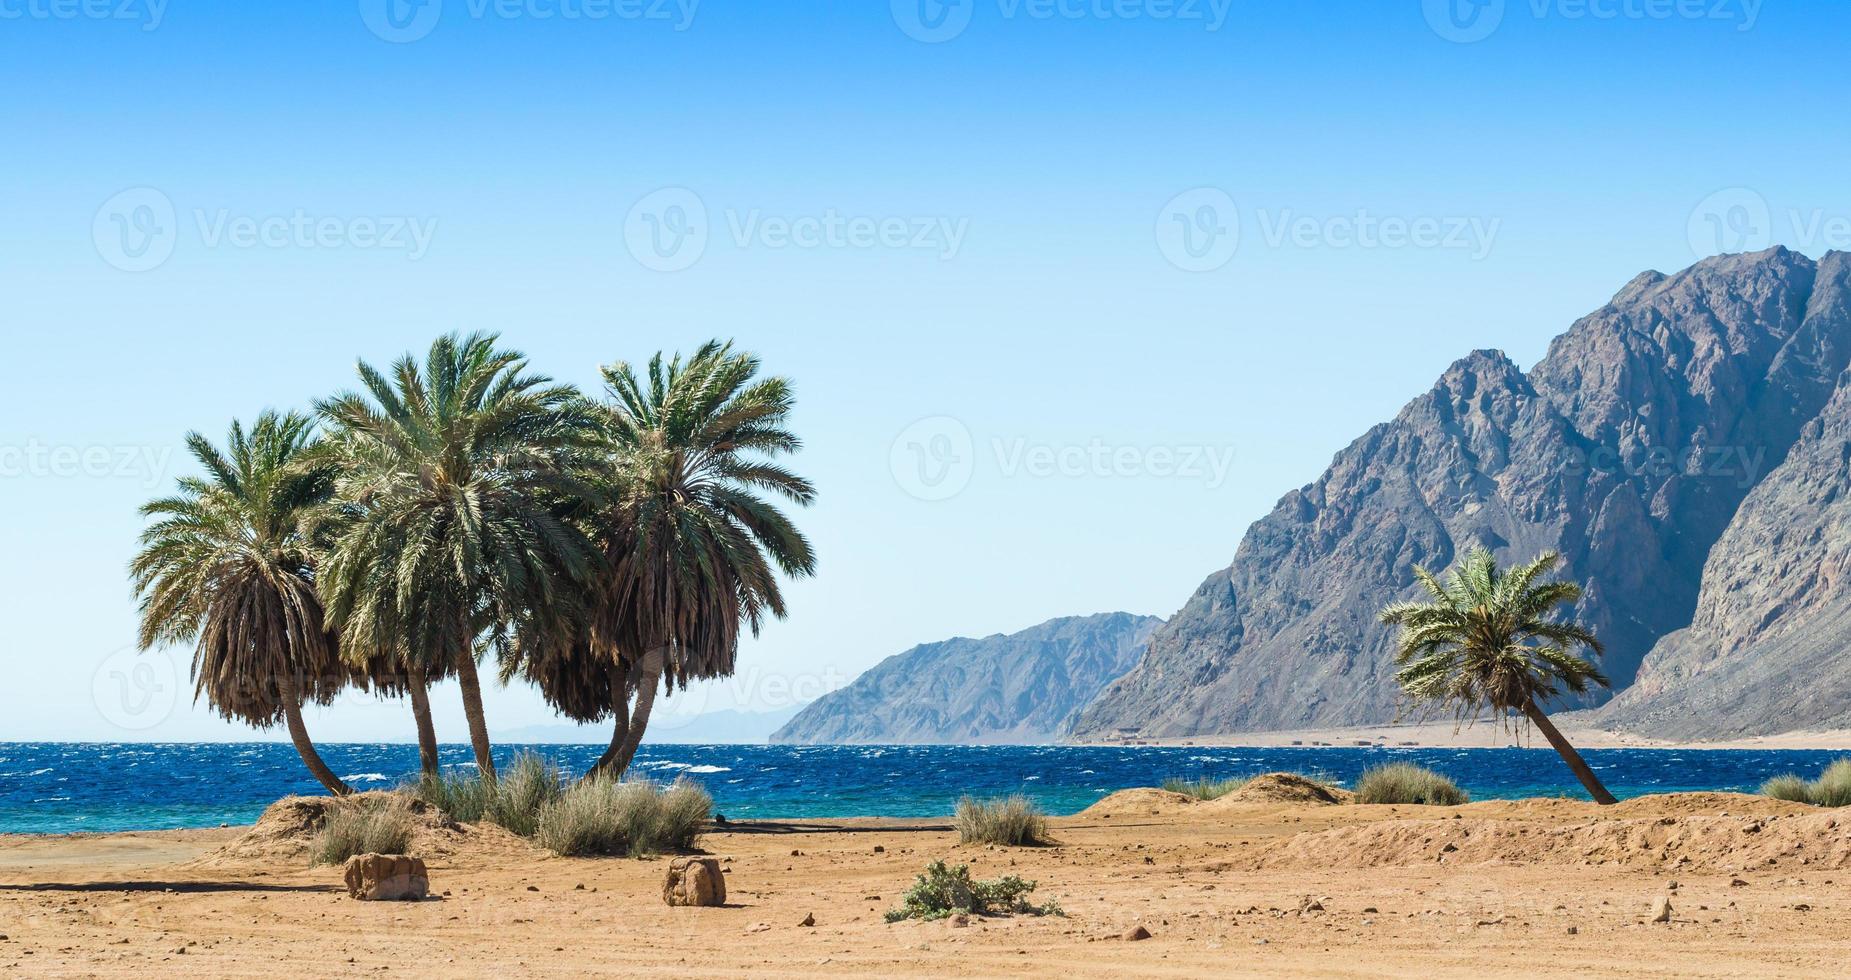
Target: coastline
column 1484, row 734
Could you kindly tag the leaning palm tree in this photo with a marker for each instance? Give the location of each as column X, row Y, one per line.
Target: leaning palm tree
column 691, row 550
column 225, row 565
column 1483, row 642
column 446, row 526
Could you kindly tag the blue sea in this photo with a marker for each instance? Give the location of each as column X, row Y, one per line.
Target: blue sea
column 62, row 788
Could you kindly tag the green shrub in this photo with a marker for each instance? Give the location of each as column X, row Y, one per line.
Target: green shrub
column 525, row 788
column 1404, row 782
column 369, row 826
column 1789, row 787
column 465, row 798
column 1013, row 821
column 602, row 816
column 1832, row 788
column 943, row 891
column 1206, row 788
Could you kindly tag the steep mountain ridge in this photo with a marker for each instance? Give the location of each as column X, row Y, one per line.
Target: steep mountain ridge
column 1629, row 448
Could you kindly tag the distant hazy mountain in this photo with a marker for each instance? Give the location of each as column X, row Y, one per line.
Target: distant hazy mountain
column 1691, row 420
column 728, row 727
column 1020, row 688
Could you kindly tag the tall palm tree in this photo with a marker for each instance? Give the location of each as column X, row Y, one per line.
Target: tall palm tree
column 1484, row 643
column 691, row 550
column 446, row 523
column 225, row 565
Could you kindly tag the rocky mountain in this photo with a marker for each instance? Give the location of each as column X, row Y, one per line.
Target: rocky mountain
column 1019, row 688
column 1630, row 448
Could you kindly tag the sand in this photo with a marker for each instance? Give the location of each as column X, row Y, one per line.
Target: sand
column 1228, row 887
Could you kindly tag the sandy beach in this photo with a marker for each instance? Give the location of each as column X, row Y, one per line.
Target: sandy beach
column 1238, row 886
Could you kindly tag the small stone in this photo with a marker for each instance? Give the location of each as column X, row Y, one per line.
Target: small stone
column 759, row 927
column 879, row 849
column 387, row 878
column 1661, row 910
column 1574, row 930
column 1307, row 905
column 960, row 921
column 1137, row 933
column 809, row 921
column 533, row 888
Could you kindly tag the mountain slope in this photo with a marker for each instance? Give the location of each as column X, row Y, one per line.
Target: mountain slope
column 1023, row 687
column 1628, row 449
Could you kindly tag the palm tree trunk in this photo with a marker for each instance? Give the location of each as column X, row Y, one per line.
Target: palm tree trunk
column 631, row 725
column 298, row 733
column 1575, row 763
column 472, row 709
column 418, row 683
column 620, row 733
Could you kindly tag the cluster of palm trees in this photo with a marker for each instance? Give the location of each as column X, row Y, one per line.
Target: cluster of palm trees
column 600, row 548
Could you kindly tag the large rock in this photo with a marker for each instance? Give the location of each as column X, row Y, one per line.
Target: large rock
column 694, row 881
column 1629, row 449
column 387, row 878
column 1021, row 688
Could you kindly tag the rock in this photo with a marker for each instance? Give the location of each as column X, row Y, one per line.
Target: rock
column 759, row 927
column 387, row 878
column 695, row 881
column 879, row 849
column 1661, row 910
column 960, row 921
column 1137, row 933
column 1307, row 905
column 809, row 921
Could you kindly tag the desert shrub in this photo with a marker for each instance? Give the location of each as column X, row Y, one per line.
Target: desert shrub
column 526, row 786
column 1832, row 788
column 1789, row 787
column 1404, row 782
column 1205, row 788
column 465, row 798
column 943, row 891
column 1013, row 821
column 603, row 816
column 371, row 826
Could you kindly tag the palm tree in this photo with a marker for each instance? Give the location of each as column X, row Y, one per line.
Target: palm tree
column 1483, row 643
column 691, row 550
column 446, row 521
column 226, row 566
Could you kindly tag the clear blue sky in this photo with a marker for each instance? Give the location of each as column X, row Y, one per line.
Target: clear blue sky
column 1022, row 228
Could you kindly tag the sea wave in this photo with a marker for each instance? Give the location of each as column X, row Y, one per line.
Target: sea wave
column 366, row 777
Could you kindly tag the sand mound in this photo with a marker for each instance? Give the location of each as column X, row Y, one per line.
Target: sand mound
column 1141, row 802
column 1286, row 787
column 287, row 828
column 1666, row 836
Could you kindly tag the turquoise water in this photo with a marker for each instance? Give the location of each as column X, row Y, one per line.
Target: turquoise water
column 59, row 788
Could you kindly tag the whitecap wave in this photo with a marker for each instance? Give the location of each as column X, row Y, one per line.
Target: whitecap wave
column 366, row 777
column 708, row 769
